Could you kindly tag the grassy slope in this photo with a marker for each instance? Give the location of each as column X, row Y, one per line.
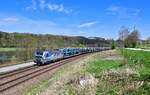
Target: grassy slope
column 100, row 68
column 129, row 76
column 100, row 65
column 139, row 60
column 60, row 82
column 111, row 74
column 64, row 82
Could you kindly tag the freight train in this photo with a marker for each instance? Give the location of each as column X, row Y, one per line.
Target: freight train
column 46, row 57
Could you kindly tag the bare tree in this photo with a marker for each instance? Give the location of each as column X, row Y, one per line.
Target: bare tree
column 123, row 34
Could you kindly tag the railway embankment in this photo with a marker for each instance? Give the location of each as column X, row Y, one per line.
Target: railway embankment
column 17, row 81
column 108, row 72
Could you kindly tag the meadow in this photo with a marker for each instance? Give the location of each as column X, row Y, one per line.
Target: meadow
column 7, row 49
column 138, row 58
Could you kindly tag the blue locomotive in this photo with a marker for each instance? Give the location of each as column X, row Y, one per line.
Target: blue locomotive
column 46, row 57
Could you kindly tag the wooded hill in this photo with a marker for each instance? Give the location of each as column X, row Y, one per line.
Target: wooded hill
column 47, row 41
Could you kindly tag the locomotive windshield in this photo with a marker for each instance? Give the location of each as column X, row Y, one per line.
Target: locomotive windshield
column 39, row 53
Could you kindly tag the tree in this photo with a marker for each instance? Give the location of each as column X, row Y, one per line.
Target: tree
column 123, row 34
column 113, row 45
column 133, row 39
column 148, row 40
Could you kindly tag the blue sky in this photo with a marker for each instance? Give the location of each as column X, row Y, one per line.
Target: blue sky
column 101, row 18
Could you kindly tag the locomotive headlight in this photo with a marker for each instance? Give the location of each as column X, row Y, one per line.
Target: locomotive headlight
column 43, row 60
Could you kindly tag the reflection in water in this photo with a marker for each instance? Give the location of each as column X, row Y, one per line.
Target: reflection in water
column 16, row 56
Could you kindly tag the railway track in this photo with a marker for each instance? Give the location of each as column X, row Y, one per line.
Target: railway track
column 5, row 75
column 13, row 79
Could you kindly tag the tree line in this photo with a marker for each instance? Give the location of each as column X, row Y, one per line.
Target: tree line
column 47, row 41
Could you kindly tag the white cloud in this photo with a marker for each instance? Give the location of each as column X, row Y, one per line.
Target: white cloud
column 42, row 4
column 88, row 24
column 52, row 7
column 58, row 8
column 113, row 9
column 123, row 12
column 33, row 5
column 55, row 7
column 10, row 19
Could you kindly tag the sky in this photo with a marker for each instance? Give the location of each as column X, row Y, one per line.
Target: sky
column 100, row 18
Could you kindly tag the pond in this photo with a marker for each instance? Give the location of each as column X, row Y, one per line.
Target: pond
column 17, row 56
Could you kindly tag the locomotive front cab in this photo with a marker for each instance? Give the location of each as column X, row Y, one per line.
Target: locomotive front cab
column 38, row 57
column 42, row 57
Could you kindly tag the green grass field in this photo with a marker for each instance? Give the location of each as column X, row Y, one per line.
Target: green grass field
column 146, row 46
column 140, row 59
column 8, row 49
column 130, row 76
column 97, row 66
column 136, row 56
